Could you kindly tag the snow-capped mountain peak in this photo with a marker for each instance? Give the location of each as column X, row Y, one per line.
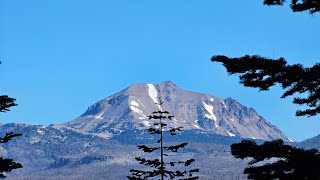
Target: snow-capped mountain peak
column 129, row 109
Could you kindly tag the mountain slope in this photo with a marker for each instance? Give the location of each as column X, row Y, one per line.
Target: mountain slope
column 129, row 108
column 310, row 143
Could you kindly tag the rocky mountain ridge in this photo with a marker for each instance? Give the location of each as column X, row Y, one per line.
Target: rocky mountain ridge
column 129, row 109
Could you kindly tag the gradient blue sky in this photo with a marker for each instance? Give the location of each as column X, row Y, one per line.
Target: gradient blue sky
column 61, row 56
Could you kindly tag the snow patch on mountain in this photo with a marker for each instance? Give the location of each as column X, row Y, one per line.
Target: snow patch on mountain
column 209, row 109
column 99, row 116
column 146, row 123
column 224, row 105
column 134, row 103
column 153, row 93
column 40, row 131
column 197, row 126
column 230, row 134
column 137, row 110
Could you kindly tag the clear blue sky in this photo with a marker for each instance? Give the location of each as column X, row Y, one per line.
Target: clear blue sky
column 61, row 56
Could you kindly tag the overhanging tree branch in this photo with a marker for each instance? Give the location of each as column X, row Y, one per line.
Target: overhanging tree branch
column 263, row 73
column 312, row 6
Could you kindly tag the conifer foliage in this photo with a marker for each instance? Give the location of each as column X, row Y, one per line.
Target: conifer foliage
column 6, row 164
column 312, row 6
column 263, row 73
column 290, row 163
column 161, row 168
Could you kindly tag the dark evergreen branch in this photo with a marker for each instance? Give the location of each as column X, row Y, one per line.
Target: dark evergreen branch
column 263, row 73
column 139, row 174
column 273, row 2
column 173, row 131
column 173, row 174
column 6, row 102
column 176, row 147
column 269, row 171
column 312, row 6
column 148, row 149
column 7, row 165
column 157, row 117
column 153, row 131
column 291, row 162
column 160, row 112
column 306, row 5
column 152, row 163
column 8, row 137
column 186, row 163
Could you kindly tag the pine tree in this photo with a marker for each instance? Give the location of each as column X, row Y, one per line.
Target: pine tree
column 160, row 168
column 312, row 6
column 290, row 163
column 6, row 164
column 263, row 73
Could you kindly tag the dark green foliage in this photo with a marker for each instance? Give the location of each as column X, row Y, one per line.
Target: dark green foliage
column 298, row 5
column 291, row 162
column 6, row 164
column 273, row 2
column 263, row 73
column 6, row 102
column 8, row 137
column 159, row 166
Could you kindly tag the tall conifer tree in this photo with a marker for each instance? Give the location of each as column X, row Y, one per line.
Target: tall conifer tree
column 160, row 167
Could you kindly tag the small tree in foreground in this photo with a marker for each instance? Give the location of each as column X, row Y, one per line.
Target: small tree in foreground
column 159, row 166
column 290, row 162
column 6, row 164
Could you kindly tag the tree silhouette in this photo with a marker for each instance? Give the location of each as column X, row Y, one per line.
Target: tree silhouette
column 6, row 164
column 290, row 162
column 263, row 73
column 260, row 72
column 159, row 166
column 297, row 5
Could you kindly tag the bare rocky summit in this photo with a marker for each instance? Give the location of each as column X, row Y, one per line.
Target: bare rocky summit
column 129, row 109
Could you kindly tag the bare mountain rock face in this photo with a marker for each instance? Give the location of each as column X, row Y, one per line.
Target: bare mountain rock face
column 129, row 109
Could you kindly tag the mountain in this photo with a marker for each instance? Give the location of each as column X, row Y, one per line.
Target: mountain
column 101, row 143
column 310, row 143
column 129, row 108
